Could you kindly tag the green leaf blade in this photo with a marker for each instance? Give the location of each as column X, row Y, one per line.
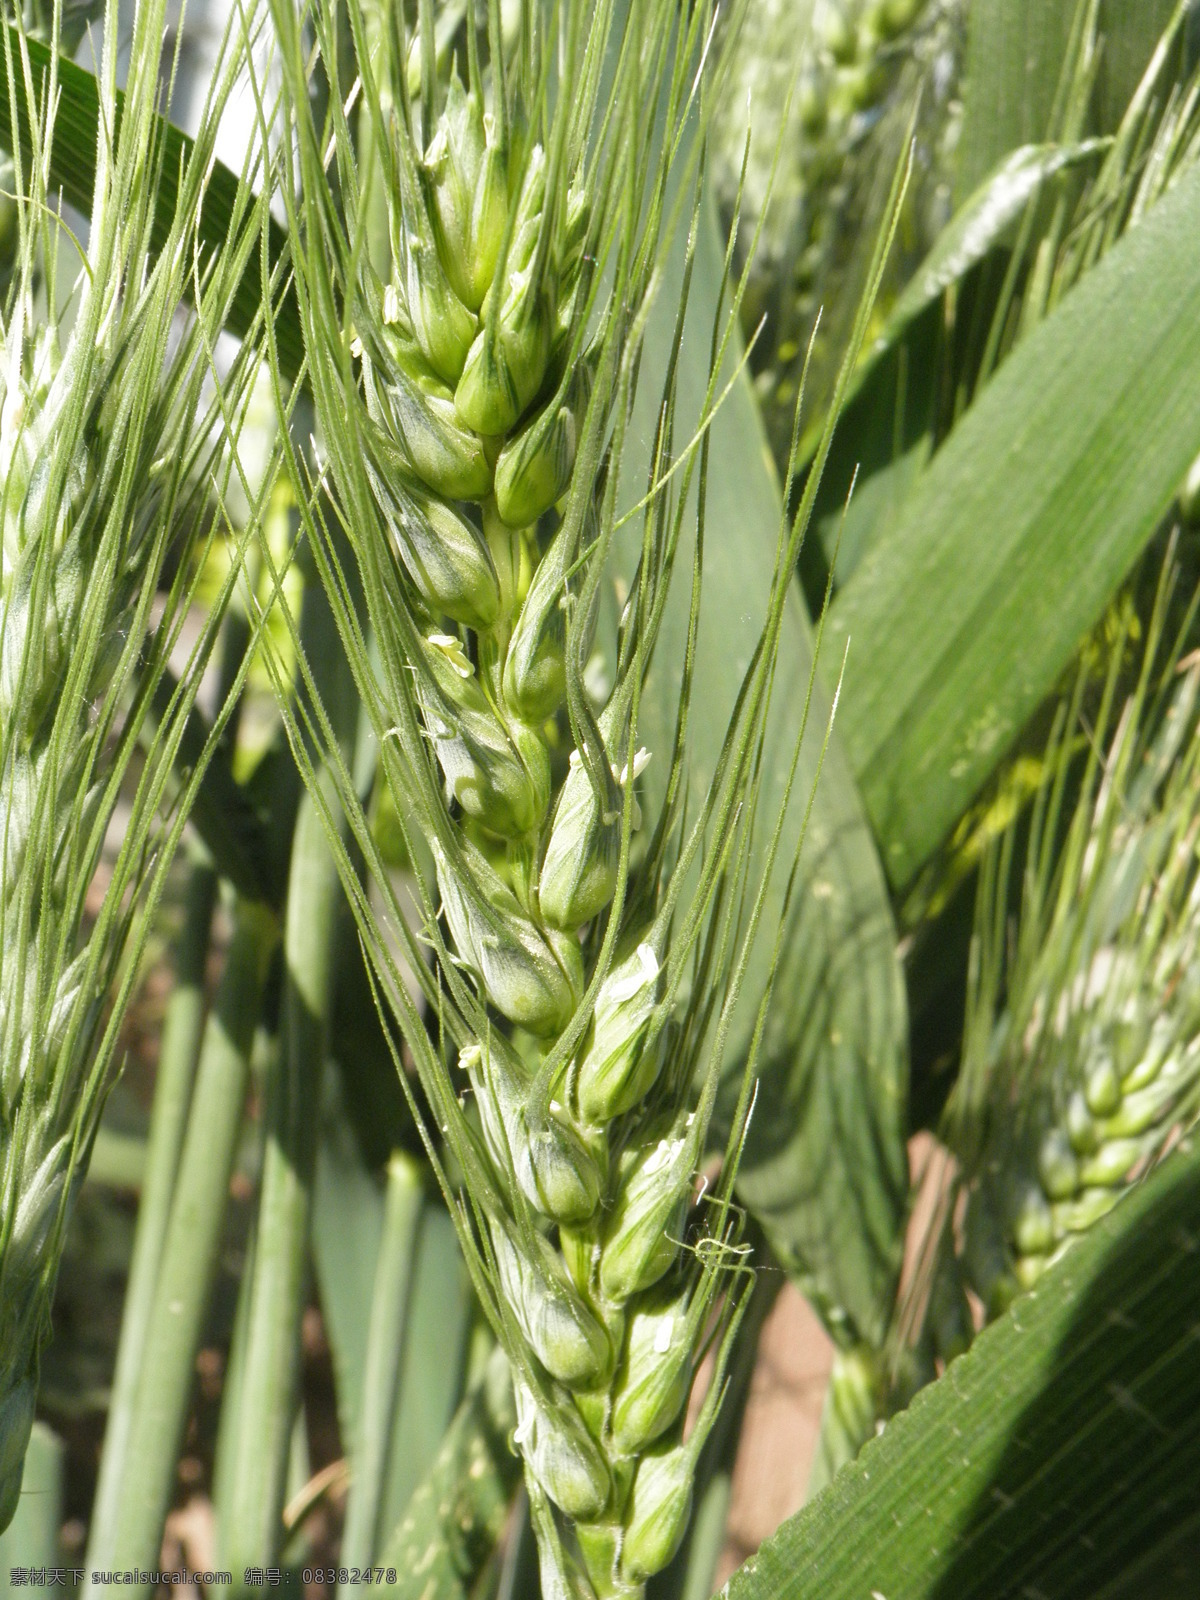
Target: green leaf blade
column 1016, row 537
column 1130, row 34
column 1015, row 53
column 986, row 219
column 73, row 173
column 824, row 1168
column 1059, row 1456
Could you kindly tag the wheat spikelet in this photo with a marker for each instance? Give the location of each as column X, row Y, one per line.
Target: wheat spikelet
column 474, row 452
column 97, row 462
column 1081, row 1060
column 828, row 87
column 472, row 398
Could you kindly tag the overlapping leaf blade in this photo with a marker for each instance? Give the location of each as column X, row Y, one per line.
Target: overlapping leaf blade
column 824, row 1167
column 1130, row 34
column 1014, row 539
column 1059, row 1456
column 73, row 172
column 885, row 435
column 1015, row 53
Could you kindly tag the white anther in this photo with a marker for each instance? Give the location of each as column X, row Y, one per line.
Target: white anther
column 631, row 983
column 454, row 653
column 437, row 147
column 664, row 1154
column 641, row 760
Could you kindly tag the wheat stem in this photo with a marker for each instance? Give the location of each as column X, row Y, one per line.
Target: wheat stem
column 178, row 1058
column 381, row 1377
column 251, row 1487
column 189, row 1257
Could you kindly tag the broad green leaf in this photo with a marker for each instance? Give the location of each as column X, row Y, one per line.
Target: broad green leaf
column 1015, row 55
column 1058, row 1457
column 986, row 220
column 1014, row 539
column 1014, row 60
column 824, row 1167
column 1130, row 33
column 347, row 1227
column 390, row 1303
column 73, row 172
column 434, row 1364
column 884, row 437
